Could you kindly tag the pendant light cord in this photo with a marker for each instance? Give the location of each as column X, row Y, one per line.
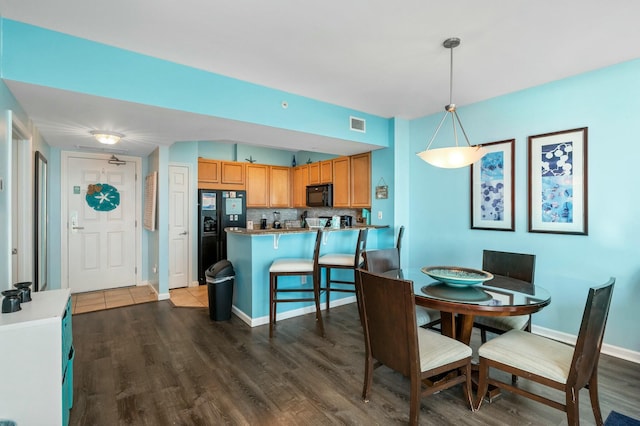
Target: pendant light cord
column 451, row 77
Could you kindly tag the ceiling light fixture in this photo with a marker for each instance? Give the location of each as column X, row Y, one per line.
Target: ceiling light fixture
column 457, row 156
column 107, row 137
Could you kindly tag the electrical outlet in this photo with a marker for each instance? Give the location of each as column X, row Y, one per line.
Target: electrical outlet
column 380, row 214
column 303, row 279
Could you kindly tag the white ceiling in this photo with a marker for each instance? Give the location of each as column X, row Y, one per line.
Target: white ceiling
column 381, row 57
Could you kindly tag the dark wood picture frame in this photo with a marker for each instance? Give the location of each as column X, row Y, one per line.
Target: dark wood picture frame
column 493, row 188
column 558, row 182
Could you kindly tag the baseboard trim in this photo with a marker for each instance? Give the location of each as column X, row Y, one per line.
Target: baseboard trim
column 256, row 322
column 607, row 349
column 160, row 296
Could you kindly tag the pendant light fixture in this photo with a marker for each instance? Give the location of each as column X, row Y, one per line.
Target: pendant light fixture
column 456, row 156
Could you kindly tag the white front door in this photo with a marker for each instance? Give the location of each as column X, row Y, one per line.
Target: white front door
column 101, row 228
column 179, row 214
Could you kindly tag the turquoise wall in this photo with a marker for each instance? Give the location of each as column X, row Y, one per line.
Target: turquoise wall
column 11, row 111
column 55, row 208
column 151, row 239
column 606, row 101
column 38, row 56
column 7, row 103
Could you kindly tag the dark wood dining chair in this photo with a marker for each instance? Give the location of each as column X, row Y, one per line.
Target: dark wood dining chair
column 514, row 265
column 552, row 363
column 393, row 339
column 384, row 260
column 399, row 242
column 295, row 267
column 351, row 261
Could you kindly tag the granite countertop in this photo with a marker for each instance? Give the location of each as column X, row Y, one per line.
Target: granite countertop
column 270, row 231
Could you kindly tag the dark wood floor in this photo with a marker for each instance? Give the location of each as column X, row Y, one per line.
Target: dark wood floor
column 156, row 364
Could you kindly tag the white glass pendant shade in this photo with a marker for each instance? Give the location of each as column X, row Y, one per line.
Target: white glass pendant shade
column 453, row 157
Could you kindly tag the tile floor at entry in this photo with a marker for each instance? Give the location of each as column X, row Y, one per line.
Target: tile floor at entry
column 115, row 298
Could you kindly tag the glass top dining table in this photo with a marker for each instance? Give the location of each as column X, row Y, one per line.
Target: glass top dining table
column 500, row 296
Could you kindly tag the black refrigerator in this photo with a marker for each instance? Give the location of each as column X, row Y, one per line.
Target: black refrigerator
column 217, row 210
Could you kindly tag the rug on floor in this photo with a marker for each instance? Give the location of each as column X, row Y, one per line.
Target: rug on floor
column 616, row 419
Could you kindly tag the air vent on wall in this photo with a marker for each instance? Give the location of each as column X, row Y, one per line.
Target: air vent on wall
column 358, row 124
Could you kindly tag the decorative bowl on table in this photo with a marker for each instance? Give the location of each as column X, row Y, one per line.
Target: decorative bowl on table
column 457, row 276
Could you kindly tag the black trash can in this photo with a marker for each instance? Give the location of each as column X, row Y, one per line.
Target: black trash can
column 220, row 277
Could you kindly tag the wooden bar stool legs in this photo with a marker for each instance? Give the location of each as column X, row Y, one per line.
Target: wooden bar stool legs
column 295, row 267
column 343, row 261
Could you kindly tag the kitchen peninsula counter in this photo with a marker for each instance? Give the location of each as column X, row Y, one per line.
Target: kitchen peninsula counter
column 297, row 230
column 251, row 251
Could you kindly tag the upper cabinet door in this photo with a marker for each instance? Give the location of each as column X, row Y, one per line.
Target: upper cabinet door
column 279, row 186
column 208, row 170
column 257, row 185
column 232, row 172
column 341, row 182
column 314, row 173
column 361, row 180
column 300, row 182
column 326, row 171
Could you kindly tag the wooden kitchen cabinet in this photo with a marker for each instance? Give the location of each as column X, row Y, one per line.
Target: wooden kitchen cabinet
column 360, row 168
column 233, row 173
column 257, row 185
column 217, row 174
column 208, row 171
column 341, row 182
column 314, row 173
column 279, row 186
column 300, row 180
column 326, row 171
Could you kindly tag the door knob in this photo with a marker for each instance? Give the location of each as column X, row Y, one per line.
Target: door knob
column 183, row 233
column 77, row 227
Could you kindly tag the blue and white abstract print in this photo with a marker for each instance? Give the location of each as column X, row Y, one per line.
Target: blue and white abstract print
column 492, row 186
column 557, row 182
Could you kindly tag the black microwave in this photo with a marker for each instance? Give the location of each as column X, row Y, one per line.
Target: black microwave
column 320, row 195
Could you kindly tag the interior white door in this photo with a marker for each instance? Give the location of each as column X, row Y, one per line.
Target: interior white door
column 101, row 237
column 179, row 214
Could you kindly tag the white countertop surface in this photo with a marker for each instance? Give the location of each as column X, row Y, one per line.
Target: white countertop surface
column 44, row 306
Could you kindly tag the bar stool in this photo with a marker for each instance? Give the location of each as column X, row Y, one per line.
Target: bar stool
column 343, row 261
column 295, row 267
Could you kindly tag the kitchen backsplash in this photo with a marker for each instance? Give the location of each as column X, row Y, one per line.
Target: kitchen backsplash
column 294, row 214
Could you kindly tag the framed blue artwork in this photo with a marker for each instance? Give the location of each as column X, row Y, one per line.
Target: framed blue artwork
column 492, row 188
column 558, row 182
